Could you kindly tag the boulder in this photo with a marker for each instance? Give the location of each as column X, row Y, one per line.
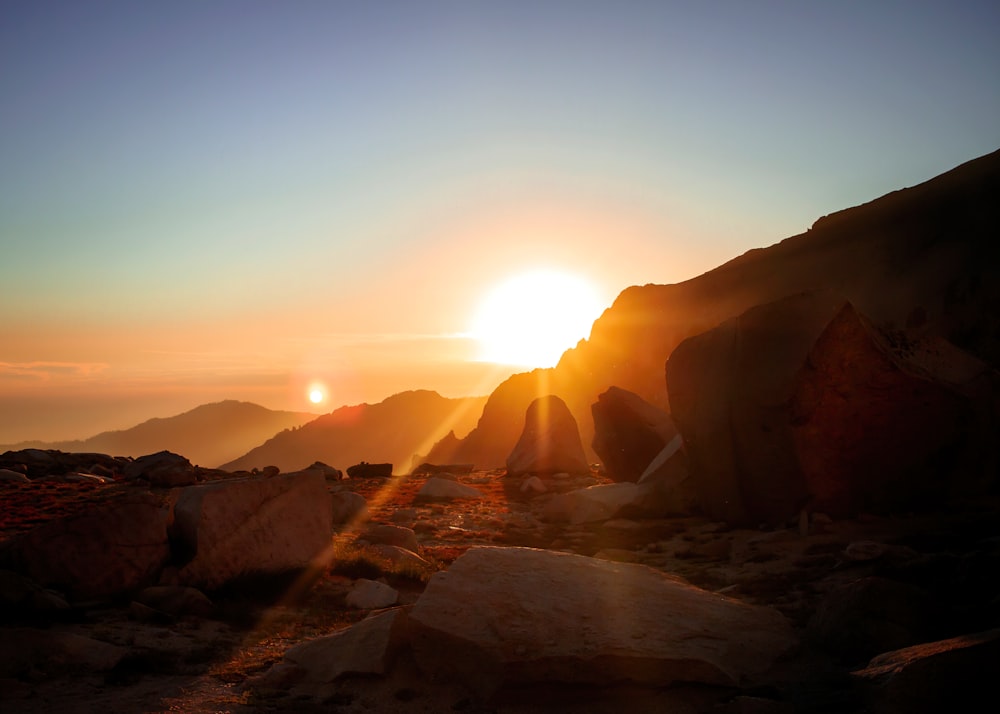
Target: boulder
column 441, row 489
column 176, row 600
column 802, row 403
column 23, row 649
column 251, row 526
column 550, row 442
column 329, row 472
column 162, row 469
column 586, row 505
column 367, row 647
column 371, row 594
column 348, row 507
column 957, row 674
column 13, row 476
column 106, row 549
column 629, row 432
column 543, row 616
column 367, row 470
column 390, row 535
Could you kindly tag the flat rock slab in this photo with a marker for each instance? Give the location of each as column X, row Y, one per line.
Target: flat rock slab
column 252, row 526
column 367, row 647
column 507, row 615
column 441, row 489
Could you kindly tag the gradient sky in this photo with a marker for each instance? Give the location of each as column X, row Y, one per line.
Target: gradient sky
column 209, row 200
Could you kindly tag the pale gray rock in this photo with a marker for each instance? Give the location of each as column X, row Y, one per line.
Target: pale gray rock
column 390, row 535
column 251, row 526
column 533, row 484
column 367, row 647
column 348, row 507
column 550, row 442
column 439, row 489
column 557, row 617
column 371, row 595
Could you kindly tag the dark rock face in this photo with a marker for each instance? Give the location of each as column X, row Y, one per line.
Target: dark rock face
column 41, row 463
column 162, row 469
column 629, row 432
column 550, row 442
column 366, row 470
column 924, row 256
column 106, row 550
column 802, row 403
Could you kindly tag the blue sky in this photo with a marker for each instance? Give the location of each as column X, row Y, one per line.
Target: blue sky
column 244, row 178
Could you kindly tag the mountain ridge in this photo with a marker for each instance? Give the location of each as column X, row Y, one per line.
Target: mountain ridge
column 208, row 434
column 923, row 257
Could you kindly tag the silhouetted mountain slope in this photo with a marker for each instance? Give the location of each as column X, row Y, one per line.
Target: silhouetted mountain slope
column 393, row 430
column 925, row 257
column 207, row 435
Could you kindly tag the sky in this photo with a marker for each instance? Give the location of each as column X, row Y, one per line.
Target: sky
column 239, row 200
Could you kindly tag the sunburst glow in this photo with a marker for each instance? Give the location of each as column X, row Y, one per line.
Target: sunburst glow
column 316, row 395
column 530, row 319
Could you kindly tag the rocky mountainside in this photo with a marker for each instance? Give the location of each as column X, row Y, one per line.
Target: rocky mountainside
column 924, row 258
column 208, row 435
column 394, row 430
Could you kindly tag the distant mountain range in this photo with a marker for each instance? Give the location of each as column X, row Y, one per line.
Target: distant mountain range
column 207, row 435
column 395, row 430
column 925, row 257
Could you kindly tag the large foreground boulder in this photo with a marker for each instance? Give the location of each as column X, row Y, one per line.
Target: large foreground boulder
column 514, row 615
column 802, row 403
column 629, row 432
column 252, row 526
column 550, row 442
column 106, row 549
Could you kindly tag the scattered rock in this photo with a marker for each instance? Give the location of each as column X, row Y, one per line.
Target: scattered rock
column 550, row 441
column 426, row 469
column 348, row 507
column 586, row 505
column 251, row 526
column 162, row 469
column 533, row 485
column 367, row 470
column 371, row 595
column 13, row 476
column 542, row 616
column 439, row 489
column 329, row 472
column 391, row 535
column 176, row 600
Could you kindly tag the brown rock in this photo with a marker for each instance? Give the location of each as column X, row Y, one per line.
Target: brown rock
column 542, row 616
column 801, row 403
column 105, row 550
column 958, row 674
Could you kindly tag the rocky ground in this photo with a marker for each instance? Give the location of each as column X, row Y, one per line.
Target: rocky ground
column 850, row 588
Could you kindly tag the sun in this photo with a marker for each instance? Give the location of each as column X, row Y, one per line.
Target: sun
column 530, row 319
column 316, row 395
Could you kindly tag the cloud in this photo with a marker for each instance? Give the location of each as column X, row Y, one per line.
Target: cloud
column 46, row 371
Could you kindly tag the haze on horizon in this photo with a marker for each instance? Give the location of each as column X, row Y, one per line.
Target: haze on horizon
column 256, row 201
